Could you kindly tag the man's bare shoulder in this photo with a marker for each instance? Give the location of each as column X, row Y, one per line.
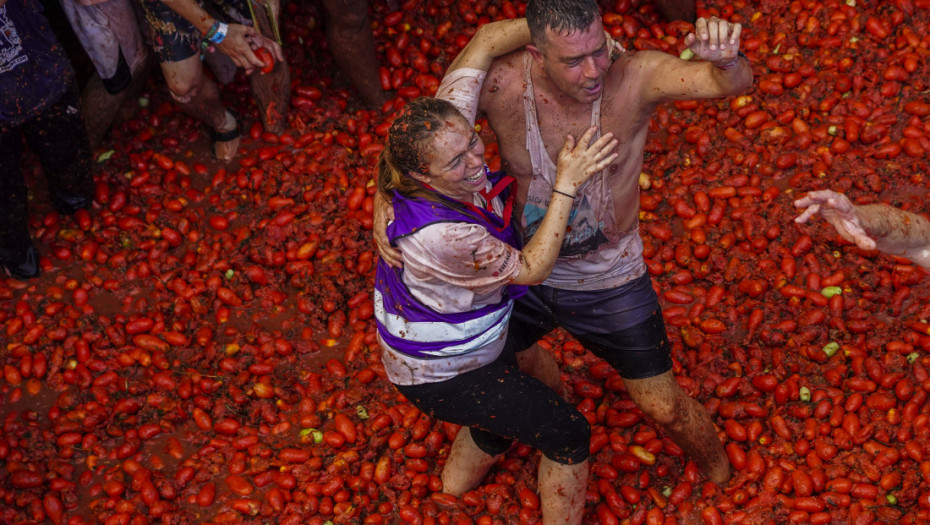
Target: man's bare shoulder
column 635, row 65
column 504, row 78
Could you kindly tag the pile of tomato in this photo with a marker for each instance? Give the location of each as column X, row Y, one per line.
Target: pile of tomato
column 201, row 345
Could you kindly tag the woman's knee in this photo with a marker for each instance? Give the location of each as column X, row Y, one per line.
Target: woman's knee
column 569, row 444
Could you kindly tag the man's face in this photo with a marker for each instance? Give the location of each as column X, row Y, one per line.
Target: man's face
column 577, row 62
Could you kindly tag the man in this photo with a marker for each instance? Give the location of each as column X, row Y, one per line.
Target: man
column 872, row 226
column 41, row 104
column 599, row 290
column 182, row 29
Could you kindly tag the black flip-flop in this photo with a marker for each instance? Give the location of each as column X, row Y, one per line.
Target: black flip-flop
column 224, row 136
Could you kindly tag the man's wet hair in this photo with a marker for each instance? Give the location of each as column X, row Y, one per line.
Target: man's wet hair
column 562, row 16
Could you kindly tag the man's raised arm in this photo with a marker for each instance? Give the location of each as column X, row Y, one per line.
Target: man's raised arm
column 719, row 71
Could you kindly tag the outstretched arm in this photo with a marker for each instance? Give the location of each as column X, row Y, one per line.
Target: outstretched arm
column 872, row 226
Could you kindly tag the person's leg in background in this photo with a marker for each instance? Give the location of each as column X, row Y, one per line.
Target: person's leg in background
column 178, row 45
column 17, row 253
column 110, row 34
column 677, row 10
column 272, row 90
column 348, row 32
column 59, row 139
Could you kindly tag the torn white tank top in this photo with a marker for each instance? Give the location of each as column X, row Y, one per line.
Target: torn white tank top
column 594, row 256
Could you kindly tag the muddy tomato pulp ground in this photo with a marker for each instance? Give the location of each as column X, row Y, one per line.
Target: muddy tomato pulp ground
column 201, row 345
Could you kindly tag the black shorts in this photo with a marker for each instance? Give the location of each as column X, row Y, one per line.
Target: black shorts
column 499, row 404
column 621, row 325
column 173, row 38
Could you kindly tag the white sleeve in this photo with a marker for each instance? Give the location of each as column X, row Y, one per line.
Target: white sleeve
column 462, row 88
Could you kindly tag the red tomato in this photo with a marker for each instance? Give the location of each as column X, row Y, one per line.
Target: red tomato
column 267, row 59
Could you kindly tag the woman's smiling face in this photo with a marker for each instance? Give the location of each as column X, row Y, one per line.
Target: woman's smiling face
column 456, row 161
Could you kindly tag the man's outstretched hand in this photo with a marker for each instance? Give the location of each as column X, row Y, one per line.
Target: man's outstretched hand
column 837, row 209
column 714, row 40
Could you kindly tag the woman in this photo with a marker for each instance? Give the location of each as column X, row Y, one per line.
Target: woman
column 442, row 319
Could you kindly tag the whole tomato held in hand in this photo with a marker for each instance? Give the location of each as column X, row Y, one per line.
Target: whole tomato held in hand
column 267, row 59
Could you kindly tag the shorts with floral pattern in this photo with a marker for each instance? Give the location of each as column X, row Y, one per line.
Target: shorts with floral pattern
column 174, row 39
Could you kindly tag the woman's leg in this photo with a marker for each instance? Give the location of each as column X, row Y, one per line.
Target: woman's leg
column 466, row 466
column 499, row 403
column 561, row 491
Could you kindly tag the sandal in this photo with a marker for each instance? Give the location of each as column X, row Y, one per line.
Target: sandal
column 224, row 136
column 25, row 268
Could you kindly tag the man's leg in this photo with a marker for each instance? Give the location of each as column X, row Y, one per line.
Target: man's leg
column 532, row 318
column 101, row 106
column 637, row 348
column 178, row 46
column 685, row 420
column 59, row 139
column 198, row 96
column 109, row 33
column 348, row 31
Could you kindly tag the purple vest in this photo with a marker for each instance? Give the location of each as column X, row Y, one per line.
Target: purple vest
column 413, row 328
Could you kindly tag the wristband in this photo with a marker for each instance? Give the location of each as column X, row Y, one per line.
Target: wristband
column 212, row 31
column 220, row 34
column 731, row 64
column 572, row 197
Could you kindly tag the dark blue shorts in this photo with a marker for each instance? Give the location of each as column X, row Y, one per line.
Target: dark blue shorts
column 621, row 325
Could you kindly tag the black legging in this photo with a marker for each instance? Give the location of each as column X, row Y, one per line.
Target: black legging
column 499, row 403
column 58, row 137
